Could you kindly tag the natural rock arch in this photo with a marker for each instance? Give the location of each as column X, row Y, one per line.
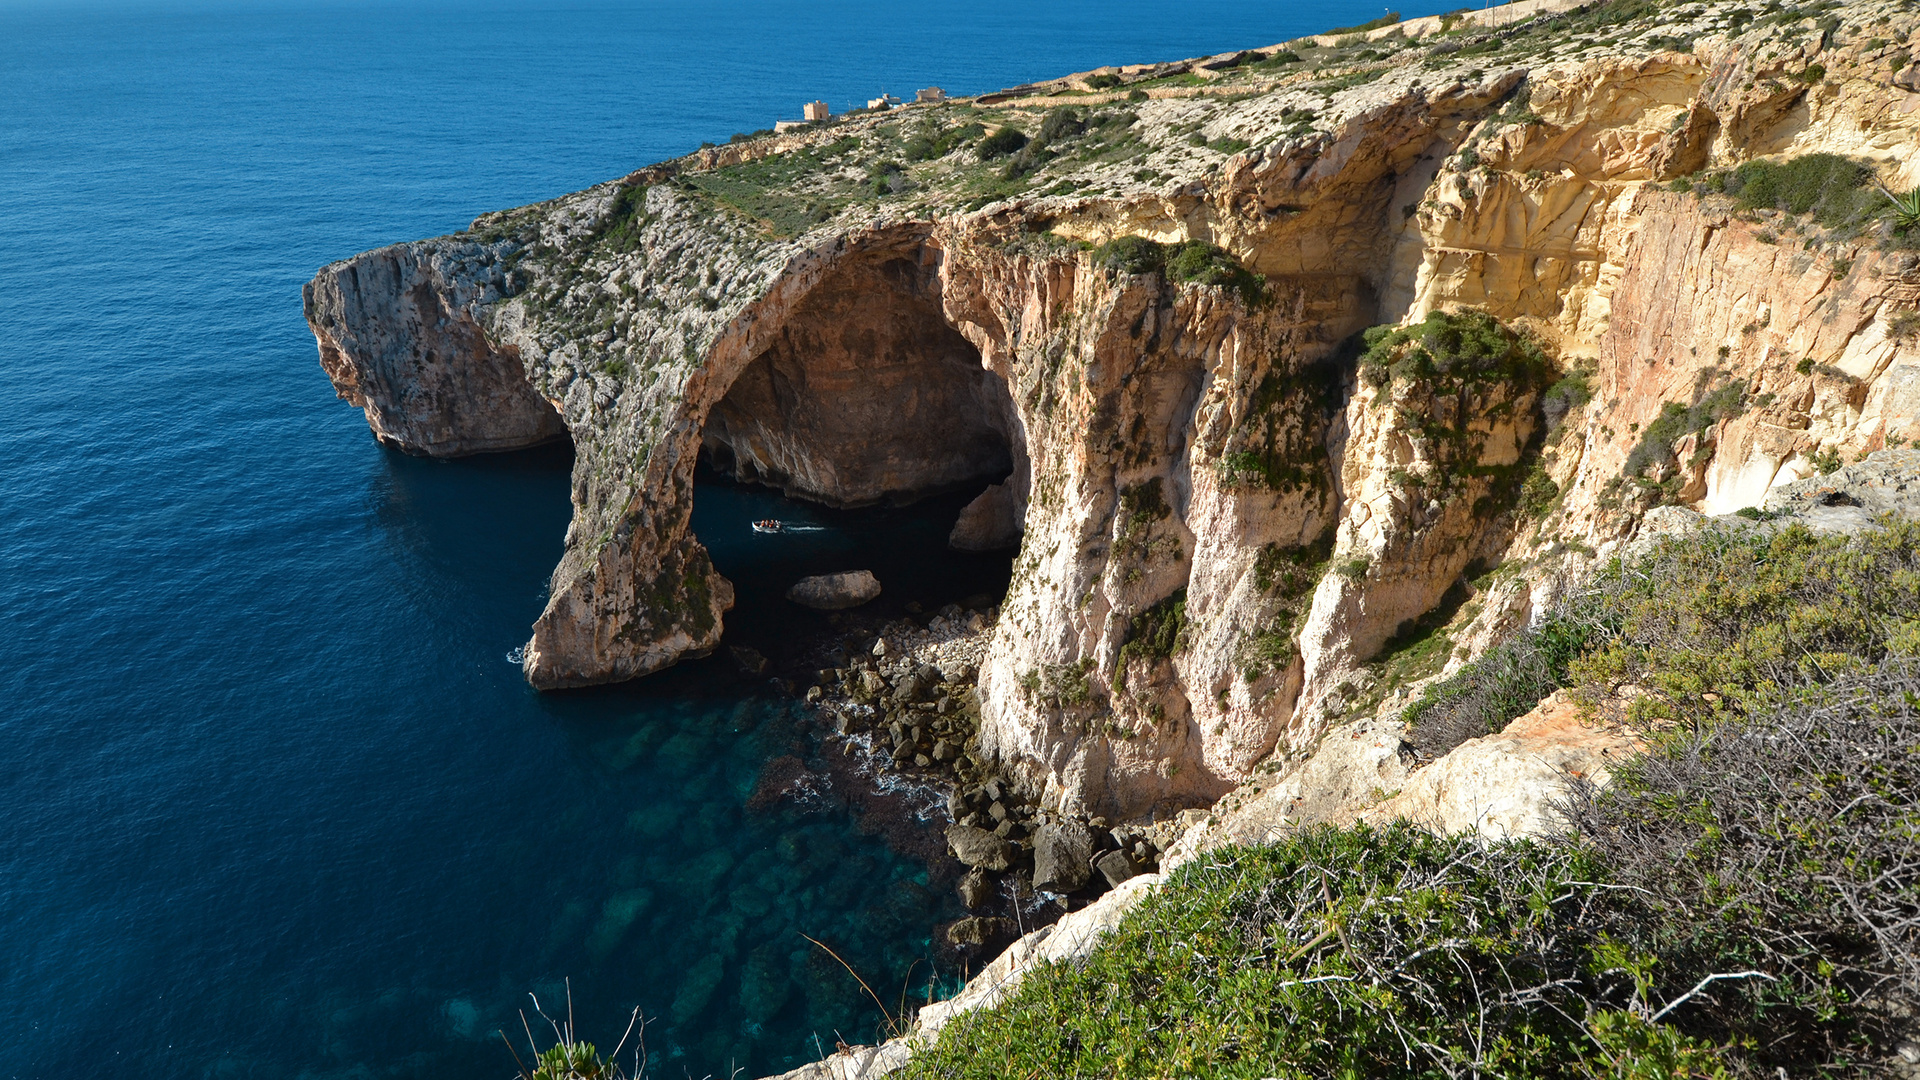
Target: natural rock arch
column 865, row 393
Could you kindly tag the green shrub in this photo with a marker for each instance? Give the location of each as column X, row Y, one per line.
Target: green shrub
column 1027, row 161
column 1782, row 843
column 1570, row 393
column 571, row 1061
column 1676, row 421
column 1726, row 620
column 1156, row 633
column 1203, row 264
column 1064, row 122
column 1001, row 143
column 1906, row 209
column 1130, row 255
column 570, row 1058
column 1706, row 625
column 1836, row 191
column 1825, row 461
column 1502, row 684
column 626, row 218
column 1192, row 261
column 1341, row 953
column 1102, row 82
column 1539, row 494
column 1451, row 347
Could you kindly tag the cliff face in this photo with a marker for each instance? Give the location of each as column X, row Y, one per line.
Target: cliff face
column 400, row 335
column 1229, row 538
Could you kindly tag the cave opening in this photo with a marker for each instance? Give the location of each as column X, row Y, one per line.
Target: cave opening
column 871, row 430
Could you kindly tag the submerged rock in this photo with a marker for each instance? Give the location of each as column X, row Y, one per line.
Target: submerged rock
column 833, row 592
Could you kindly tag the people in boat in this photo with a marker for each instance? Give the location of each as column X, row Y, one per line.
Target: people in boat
column 768, row 525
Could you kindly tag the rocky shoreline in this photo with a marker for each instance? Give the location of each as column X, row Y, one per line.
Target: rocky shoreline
column 903, row 696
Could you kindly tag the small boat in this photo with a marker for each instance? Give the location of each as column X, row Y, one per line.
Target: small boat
column 769, row 525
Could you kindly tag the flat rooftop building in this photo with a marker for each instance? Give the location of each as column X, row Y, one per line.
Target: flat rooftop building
column 931, row 93
column 817, row 110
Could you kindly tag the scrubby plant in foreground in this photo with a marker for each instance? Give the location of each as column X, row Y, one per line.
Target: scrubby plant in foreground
column 570, row 1057
column 1506, row 681
column 1723, row 620
column 1343, row 953
column 1784, row 844
column 1743, row 902
column 1704, row 625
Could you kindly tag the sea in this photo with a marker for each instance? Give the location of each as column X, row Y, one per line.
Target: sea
column 274, row 800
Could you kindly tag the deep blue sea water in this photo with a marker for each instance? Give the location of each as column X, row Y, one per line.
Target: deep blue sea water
column 274, row 804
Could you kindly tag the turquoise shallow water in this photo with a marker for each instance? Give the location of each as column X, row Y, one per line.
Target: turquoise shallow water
column 275, row 803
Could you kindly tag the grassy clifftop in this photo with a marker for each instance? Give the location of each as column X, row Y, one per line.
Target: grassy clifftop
column 1151, row 129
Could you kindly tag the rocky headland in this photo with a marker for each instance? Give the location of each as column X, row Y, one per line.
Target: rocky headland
column 1298, row 377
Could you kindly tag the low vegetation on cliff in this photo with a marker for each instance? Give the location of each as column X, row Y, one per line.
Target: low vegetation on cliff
column 1744, row 898
column 1700, row 628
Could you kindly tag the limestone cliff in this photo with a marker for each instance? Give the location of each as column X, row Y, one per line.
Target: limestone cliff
column 1231, row 536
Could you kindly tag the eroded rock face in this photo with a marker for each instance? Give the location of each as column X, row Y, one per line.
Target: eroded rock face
column 865, row 393
column 1219, row 527
column 1512, row 784
column 400, row 336
column 1506, row 785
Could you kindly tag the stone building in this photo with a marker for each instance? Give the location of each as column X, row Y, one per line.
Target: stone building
column 817, row 110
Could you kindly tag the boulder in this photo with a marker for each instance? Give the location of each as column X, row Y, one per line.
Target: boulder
column 911, row 687
column 976, row 889
column 1512, row 784
column 979, row 848
column 1115, row 867
column 991, row 522
column 1062, row 857
column 832, row 592
column 978, row 932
